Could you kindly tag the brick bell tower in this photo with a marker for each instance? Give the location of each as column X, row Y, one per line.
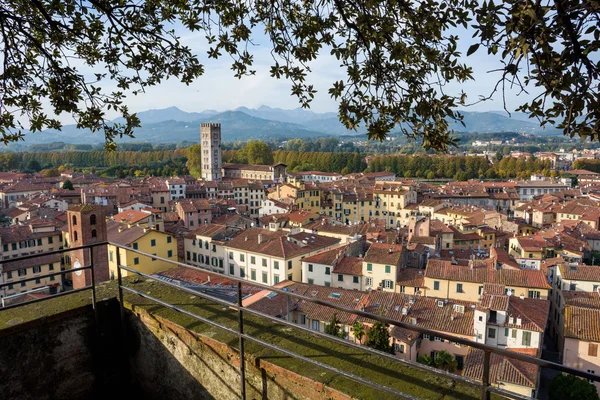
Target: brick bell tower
column 87, row 225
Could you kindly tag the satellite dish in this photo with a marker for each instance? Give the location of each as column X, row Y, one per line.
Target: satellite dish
column 76, row 267
column 509, row 292
column 252, row 224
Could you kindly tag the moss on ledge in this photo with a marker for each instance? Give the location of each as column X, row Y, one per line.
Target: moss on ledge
column 396, row 375
column 392, row 374
column 21, row 317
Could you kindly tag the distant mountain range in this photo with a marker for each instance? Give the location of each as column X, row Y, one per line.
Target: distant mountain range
column 175, row 125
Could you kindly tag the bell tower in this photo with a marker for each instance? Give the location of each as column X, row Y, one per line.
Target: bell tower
column 210, row 140
column 87, row 225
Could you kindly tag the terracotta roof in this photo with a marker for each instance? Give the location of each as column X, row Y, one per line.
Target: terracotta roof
column 348, row 266
column 18, row 233
column 126, row 236
column 442, row 269
column 382, row 253
column 248, row 167
column 582, row 323
column 343, row 297
column 24, row 186
column 171, row 216
column 502, row 369
column 41, row 260
column 208, row 230
column 580, row 272
column 533, row 313
column 131, row 216
column 326, row 257
column 531, row 243
column 280, row 244
column 193, row 205
column 497, row 302
column 411, row 277
column 581, row 299
column 493, row 288
column 324, row 225
column 85, row 207
column 423, row 240
column 444, row 319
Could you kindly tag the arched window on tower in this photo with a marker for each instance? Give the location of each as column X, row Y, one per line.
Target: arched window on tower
column 74, row 220
column 75, row 237
column 93, row 219
column 94, row 234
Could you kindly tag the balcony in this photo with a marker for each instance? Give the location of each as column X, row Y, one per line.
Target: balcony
column 145, row 338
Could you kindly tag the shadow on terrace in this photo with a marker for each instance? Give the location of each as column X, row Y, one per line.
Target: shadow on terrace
column 141, row 337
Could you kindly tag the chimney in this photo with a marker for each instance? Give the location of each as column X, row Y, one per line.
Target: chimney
column 519, row 320
column 390, row 250
column 246, row 238
column 259, row 238
column 120, row 229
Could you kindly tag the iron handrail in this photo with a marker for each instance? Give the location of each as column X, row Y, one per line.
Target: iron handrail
column 488, row 350
column 431, row 332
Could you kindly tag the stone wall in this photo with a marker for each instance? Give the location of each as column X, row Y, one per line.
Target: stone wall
column 171, row 362
column 60, row 356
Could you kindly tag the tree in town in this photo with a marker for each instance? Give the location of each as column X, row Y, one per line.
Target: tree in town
column 333, row 327
column 68, row 185
column 194, row 160
column 398, row 57
column 358, row 331
column 446, row 361
column 50, row 172
column 378, row 337
column 425, row 359
column 257, row 152
column 570, row 387
column 33, row 165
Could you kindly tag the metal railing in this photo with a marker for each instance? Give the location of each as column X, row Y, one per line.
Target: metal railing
column 486, row 386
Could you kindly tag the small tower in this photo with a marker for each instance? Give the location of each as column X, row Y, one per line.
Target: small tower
column 87, row 225
column 210, row 140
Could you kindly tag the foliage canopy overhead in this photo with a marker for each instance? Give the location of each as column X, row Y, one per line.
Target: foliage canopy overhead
column 398, row 56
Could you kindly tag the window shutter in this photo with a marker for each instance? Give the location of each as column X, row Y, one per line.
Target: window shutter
column 593, row 350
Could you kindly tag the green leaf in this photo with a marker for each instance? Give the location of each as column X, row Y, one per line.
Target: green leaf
column 473, row 49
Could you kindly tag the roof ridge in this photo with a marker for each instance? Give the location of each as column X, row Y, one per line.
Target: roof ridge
column 508, row 361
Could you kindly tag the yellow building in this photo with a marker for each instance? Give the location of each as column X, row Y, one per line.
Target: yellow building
column 465, row 239
column 309, row 197
column 448, row 281
column 488, row 237
column 31, row 268
column 528, row 251
column 140, row 238
column 380, row 266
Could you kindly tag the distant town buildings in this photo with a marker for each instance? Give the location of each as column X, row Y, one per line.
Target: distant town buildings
column 505, row 263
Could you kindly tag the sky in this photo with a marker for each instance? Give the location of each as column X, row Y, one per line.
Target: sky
column 219, row 90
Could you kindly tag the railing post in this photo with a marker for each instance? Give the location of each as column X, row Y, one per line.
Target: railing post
column 241, row 344
column 287, row 296
column 94, row 305
column 120, row 281
column 485, row 393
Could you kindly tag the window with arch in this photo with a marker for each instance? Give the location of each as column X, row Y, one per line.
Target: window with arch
column 74, row 220
column 94, row 234
column 93, row 219
column 75, row 236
